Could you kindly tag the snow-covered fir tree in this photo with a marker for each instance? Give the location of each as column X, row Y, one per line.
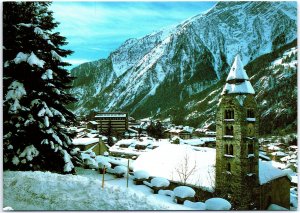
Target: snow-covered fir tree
column 35, row 85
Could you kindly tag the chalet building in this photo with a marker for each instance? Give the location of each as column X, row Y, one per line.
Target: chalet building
column 92, row 125
column 183, row 134
column 93, row 144
column 117, row 121
column 240, row 176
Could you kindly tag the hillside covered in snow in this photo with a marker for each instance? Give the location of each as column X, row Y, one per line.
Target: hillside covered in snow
column 164, row 74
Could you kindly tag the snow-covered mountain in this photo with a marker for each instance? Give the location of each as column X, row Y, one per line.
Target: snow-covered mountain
column 153, row 74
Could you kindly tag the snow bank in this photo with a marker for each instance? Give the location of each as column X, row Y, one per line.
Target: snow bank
column 275, row 207
column 217, row 204
column 159, row 182
column 184, row 192
column 38, row 191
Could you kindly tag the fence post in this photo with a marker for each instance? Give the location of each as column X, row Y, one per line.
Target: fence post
column 127, row 173
column 103, row 173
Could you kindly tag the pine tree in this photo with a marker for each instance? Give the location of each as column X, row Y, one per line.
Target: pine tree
column 35, row 85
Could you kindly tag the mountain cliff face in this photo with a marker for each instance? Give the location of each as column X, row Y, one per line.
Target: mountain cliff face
column 152, row 75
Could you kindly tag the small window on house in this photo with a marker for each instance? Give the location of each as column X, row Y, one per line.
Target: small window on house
column 231, row 149
column 229, row 114
column 228, row 167
column 250, row 113
column 250, row 149
column 229, row 130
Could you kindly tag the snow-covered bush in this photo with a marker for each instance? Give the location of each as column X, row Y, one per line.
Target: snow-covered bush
column 90, row 163
column 184, row 192
column 141, row 174
column 160, row 182
column 195, row 205
column 103, row 163
column 217, row 204
column 120, row 171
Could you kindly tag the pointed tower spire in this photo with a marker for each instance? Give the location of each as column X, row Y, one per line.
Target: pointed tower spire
column 237, row 81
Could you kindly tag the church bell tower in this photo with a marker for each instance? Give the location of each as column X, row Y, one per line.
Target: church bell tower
column 236, row 142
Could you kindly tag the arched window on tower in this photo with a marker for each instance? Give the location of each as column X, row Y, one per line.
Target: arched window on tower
column 229, row 114
column 231, row 149
column 228, row 167
column 250, row 113
column 229, row 130
column 250, row 149
column 226, row 149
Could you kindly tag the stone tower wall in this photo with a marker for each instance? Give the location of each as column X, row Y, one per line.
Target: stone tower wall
column 238, row 184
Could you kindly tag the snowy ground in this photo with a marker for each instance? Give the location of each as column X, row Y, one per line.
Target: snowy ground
column 50, row 191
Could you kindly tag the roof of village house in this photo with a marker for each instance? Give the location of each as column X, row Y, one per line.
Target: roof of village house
column 237, row 81
column 111, row 114
column 93, row 122
column 84, row 141
column 267, row 172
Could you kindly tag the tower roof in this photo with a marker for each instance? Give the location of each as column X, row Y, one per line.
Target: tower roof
column 237, row 81
column 237, row 71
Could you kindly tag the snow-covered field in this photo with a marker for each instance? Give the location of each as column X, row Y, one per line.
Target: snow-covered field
column 176, row 161
column 51, row 191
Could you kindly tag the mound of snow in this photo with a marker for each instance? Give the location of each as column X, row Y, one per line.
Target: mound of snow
column 217, row 204
column 8, row 208
column 194, row 205
column 184, row 192
column 140, row 174
column 160, row 182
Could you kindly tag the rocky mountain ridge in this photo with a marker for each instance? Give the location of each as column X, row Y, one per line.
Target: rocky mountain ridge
column 152, row 75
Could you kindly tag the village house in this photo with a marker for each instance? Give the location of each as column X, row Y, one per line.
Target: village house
column 92, row 125
column 240, row 176
column 92, row 144
column 183, row 134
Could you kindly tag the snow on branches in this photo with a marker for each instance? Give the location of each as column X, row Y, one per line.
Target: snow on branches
column 15, row 93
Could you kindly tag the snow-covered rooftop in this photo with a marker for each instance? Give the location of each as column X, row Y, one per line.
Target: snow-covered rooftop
column 111, row 115
column 267, row 172
column 238, row 88
column 93, row 122
column 84, row 141
column 237, row 81
column 237, row 71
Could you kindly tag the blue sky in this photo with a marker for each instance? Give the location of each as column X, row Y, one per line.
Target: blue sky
column 94, row 29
